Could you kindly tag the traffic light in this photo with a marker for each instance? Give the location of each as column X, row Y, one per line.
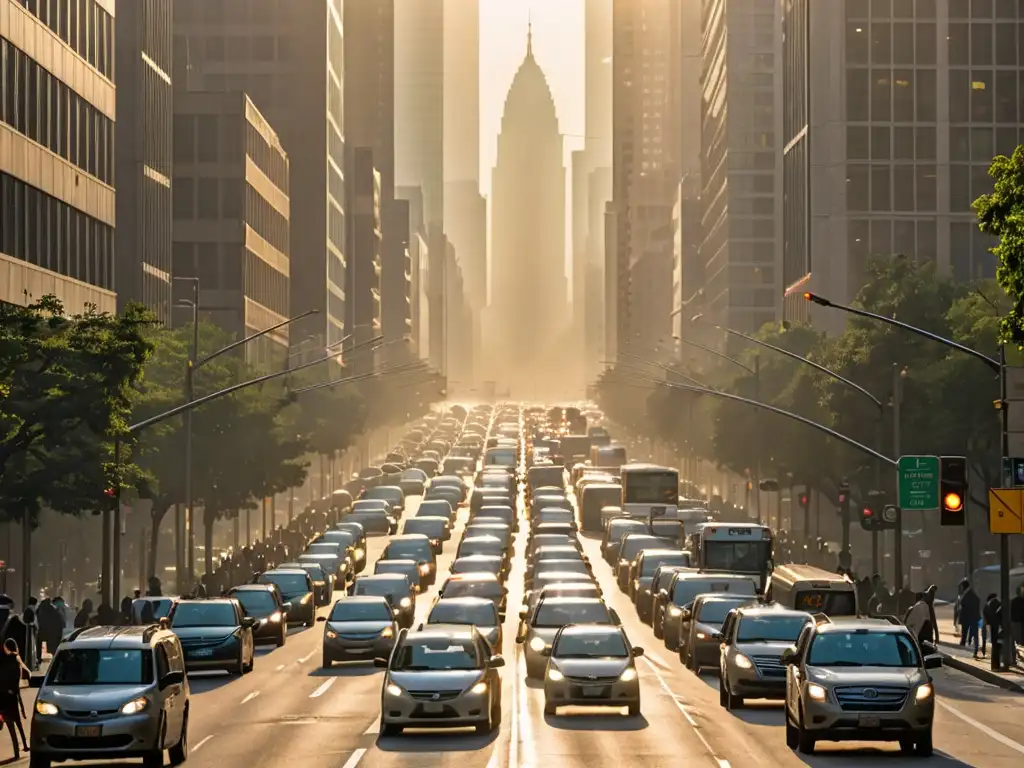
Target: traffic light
column 952, row 489
column 804, row 499
column 869, row 518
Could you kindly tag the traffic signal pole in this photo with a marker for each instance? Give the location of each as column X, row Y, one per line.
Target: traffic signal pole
column 897, row 547
column 1004, row 539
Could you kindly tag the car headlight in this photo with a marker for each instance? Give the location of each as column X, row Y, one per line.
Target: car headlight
column 135, row 706
column 924, row 691
column 701, row 636
column 816, row 692
column 434, row 542
column 307, row 598
column 424, row 568
column 387, row 632
column 555, row 676
column 742, row 661
column 537, row 644
column 275, row 617
column 393, row 690
column 331, row 634
column 405, row 602
column 359, row 553
column 479, row 688
column 675, row 610
column 628, row 675
column 46, row 708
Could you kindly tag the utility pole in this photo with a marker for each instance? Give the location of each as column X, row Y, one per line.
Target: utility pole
column 897, row 399
column 844, row 510
column 1004, row 539
column 760, row 442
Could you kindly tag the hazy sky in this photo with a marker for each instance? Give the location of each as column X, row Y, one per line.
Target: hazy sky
column 558, row 45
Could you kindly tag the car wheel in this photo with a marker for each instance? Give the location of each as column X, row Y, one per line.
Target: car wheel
column 672, row 643
column 723, row 697
column 328, row 662
column 282, row 636
column 633, row 709
column 792, row 733
column 550, row 708
column 805, row 741
column 923, row 747
column 179, row 752
column 38, row 761
column 658, row 630
column 239, row 668
column 731, row 700
column 496, row 712
column 386, row 729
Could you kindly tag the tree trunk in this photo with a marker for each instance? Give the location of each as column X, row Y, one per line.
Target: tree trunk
column 156, row 517
column 209, row 518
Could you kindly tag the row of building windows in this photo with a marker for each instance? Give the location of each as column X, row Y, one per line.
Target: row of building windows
column 882, row 238
column 217, row 265
column 267, row 158
column 985, row 43
column 966, row 184
column 336, row 226
column 207, row 138
column 214, row 199
column 983, row 96
column 891, row 187
column 926, row 9
column 969, row 254
column 241, row 48
column 41, row 107
column 266, row 220
column 83, row 25
column 885, row 95
column 981, row 144
column 154, row 141
column 265, row 285
column 51, row 234
column 885, row 43
column 156, row 24
column 884, row 142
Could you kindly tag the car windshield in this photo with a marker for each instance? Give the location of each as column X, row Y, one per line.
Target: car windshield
column 634, row 545
column 204, row 615
column 437, row 507
column 584, row 646
column 488, row 589
column 343, row 538
column 863, row 649
column 552, row 615
column 651, row 563
column 324, row 548
column 436, row 654
column 619, row 528
column 388, row 588
column 315, row 570
column 255, row 600
column 360, row 611
column 447, row 612
column 687, row 589
column 407, row 550
column 288, row 583
column 426, row 527
column 550, row 553
column 470, row 564
column 715, row 611
column 767, row 629
column 95, row 666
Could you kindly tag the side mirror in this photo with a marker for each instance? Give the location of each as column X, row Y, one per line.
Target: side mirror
column 523, row 613
column 171, row 678
column 380, row 663
column 249, row 622
column 495, row 662
column 321, row 618
column 546, row 652
column 932, row 662
column 928, row 648
column 716, row 636
column 638, row 651
column 520, row 640
column 687, row 614
column 790, row 656
column 663, row 594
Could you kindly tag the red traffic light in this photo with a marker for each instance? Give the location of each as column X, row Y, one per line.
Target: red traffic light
column 842, row 498
column 953, row 502
column 804, row 499
column 110, row 493
column 868, row 512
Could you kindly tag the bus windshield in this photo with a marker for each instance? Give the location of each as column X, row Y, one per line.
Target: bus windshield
column 737, row 556
column 651, row 488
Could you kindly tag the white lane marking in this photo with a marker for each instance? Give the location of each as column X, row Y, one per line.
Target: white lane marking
column 250, row 697
column 522, row 728
column 374, row 728
column 656, row 661
column 354, row 759
column 305, row 658
column 685, row 711
column 279, row 667
column 1006, row 741
column 201, row 742
column 324, row 687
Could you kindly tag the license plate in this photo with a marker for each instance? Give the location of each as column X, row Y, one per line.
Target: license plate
column 88, row 731
column 353, row 650
column 433, row 708
column 869, row 722
column 199, row 652
column 593, row 693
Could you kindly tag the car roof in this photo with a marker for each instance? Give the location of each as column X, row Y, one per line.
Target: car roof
column 663, row 551
column 253, row 588
column 773, row 609
column 292, row 571
column 381, row 577
column 591, row 629
column 404, row 561
column 376, row 599
column 572, row 600
column 409, row 537
column 428, row 519
column 115, row 637
column 853, row 623
column 718, row 597
column 477, row 576
column 486, row 537
column 440, row 631
column 472, row 601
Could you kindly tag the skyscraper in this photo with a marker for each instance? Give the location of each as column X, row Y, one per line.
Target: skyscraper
column 529, row 301
column 57, row 206
column 144, row 58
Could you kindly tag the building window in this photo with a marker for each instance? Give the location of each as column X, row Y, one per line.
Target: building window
column 857, row 188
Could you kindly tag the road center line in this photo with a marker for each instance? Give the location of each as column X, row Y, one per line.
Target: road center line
column 305, row 658
column 354, row 758
column 201, row 742
column 279, row 667
column 373, row 729
column 250, row 697
column 324, row 687
column 1006, row 741
column 683, row 709
column 656, row 660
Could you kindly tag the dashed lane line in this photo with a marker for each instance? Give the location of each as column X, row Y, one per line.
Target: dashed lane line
column 354, row 758
column 324, row 687
column 656, row 660
column 279, row 667
column 202, row 741
column 373, row 729
column 686, row 713
column 250, row 697
column 1006, row 741
column 305, row 658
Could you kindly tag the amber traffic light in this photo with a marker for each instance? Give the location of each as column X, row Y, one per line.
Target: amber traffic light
column 952, row 502
column 952, row 489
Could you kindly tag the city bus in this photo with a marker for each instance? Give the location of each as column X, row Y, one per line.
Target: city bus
column 744, row 548
column 649, row 490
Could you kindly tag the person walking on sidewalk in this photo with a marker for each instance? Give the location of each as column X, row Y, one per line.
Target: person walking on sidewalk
column 1017, row 617
column 11, row 669
column 969, row 615
column 994, row 620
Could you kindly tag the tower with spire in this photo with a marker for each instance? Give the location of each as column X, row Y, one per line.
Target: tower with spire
column 529, row 308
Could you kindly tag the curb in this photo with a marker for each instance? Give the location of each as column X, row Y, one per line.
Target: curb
column 985, row 675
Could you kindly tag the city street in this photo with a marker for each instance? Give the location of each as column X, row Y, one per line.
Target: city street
column 289, row 710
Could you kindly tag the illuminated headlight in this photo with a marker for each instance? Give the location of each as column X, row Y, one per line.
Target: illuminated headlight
column 135, row 706
column 424, row 568
column 742, row 661
column 816, row 692
column 46, row 708
column 923, row 692
column 555, row 676
column 359, row 553
column 701, row 636
column 434, row 542
column 387, row 632
column 405, row 602
column 306, row 599
column 675, row 610
column 628, row 675
column 479, row 688
column 275, row 617
column 393, row 690
column 331, row 634
column 537, row 644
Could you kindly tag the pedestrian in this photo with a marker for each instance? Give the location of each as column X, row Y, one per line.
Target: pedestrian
column 83, row 617
column 6, row 608
column 11, row 670
column 918, row 619
column 15, row 629
column 969, row 616
column 126, row 611
column 105, row 616
column 993, row 615
column 51, row 626
column 153, row 588
column 960, row 589
column 1017, row 616
column 31, row 631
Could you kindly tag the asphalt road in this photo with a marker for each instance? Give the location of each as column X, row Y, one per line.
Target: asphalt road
column 290, row 711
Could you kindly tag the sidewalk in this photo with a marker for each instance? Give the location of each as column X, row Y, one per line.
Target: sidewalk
column 962, row 658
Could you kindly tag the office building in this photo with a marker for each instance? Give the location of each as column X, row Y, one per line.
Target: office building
column 232, row 217
column 289, row 58
column 738, row 250
column 908, row 105
column 57, row 202
column 419, row 263
column 363, row 289
column 143, row 165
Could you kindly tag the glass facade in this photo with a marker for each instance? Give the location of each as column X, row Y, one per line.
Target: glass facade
column 796, row 253
column 83, row 25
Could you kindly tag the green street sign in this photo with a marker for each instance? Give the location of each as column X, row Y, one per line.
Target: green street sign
column 918, row 484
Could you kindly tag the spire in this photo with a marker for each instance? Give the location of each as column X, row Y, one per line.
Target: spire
column 529, row 35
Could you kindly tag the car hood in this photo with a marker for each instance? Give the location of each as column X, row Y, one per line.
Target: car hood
column 203, row 633
column 447, row 680
column 544, row 633
column 866, row 676
column 774, row 649
column 357, row 627
column 93, row 698
column 587, row 667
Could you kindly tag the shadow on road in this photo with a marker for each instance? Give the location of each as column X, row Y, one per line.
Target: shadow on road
column 762, row 713
column 205, row 682
column 297, row 629
column 349, row 669
column 833, row 755
column 602, row 722
column 413, row 741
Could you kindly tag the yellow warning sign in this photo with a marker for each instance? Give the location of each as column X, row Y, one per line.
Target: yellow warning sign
column 1006, row 510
